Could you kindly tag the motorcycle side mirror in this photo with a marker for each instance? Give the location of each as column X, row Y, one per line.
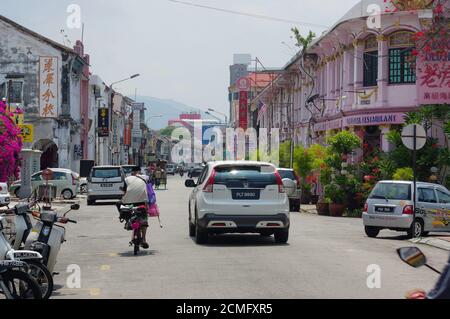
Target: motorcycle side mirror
column 75, row 207
column 413, row 256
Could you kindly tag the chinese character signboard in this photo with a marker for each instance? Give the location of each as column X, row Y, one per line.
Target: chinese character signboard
column 48, row 86
column 26, row 131
column 433, row 79
column 103, row 122
column 243, row 109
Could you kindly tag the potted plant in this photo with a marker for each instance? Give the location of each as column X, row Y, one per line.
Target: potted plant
column 323, row 207
column 336, row 195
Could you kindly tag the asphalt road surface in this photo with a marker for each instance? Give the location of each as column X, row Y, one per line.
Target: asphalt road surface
column 325, row 258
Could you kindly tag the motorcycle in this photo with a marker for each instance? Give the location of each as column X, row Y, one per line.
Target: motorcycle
column 34, row 260
column 133, row 216
column 16, row 283
column 48, row 234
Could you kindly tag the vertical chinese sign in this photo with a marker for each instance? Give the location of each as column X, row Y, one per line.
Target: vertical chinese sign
column 433, row 79
column 103, row 122
column 243, row 85
column 48, row 86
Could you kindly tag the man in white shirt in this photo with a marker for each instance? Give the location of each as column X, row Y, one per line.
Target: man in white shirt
column 136, row 194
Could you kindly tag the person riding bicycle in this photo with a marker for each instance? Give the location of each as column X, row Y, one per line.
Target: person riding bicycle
column 440, row 291
column 135, row 188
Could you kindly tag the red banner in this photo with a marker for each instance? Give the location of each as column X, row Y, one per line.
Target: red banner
column 127, row 136
column 243, row 109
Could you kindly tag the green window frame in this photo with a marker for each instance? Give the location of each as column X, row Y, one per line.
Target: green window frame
column 401, row 70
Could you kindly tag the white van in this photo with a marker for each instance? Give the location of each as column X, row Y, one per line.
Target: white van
column 105, row 182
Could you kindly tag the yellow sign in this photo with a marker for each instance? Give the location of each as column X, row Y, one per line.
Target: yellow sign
column 27, row 132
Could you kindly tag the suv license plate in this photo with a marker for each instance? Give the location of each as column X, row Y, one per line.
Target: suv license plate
column 106, row 185
column 246, row 194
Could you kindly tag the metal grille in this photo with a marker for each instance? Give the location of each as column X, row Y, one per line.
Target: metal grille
column 9, row 228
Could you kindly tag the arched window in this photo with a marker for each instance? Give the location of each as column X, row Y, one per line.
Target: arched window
column 370, row 61
column 401, row 60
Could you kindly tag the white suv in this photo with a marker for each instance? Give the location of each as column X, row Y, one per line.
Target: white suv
column 105, row 182
column 238, row 197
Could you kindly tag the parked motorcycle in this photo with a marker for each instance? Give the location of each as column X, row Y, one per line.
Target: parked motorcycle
column 48, row 234
column 133, row 218
column 34, row 260
column 16, row 283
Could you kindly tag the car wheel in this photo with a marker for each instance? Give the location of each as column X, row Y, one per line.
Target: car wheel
column 201, row 234
column 191, row 230
column 372, row 232
column 416, row 229
column 90, row 202
column 67, row 194
column 282, row 236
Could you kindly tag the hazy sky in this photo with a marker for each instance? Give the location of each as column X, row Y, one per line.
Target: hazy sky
column 182, row 53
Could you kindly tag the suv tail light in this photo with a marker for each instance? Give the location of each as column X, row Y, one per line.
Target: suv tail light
column 1, row 189
column 366, row 208
column 279, row 182
column 74, row 180
column 408, row 210
column 209, row 187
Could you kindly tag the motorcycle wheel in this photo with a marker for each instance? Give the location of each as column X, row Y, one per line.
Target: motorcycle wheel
column 21, row 285
column 137, row 242
column 42, row 276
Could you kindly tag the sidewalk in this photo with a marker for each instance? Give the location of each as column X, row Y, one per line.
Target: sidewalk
column 438, row 242
column 308, row 209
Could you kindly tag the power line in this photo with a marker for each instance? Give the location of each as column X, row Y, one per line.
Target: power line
column 253, row 15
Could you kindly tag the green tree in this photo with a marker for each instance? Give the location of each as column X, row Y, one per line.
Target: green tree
column 167, row 131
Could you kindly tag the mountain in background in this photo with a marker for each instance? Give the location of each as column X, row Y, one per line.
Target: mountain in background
column 169, row 109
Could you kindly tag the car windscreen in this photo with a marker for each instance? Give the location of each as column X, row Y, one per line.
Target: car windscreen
column 287, row 174
column 242, row 176
column 394, row 191
column 106, row 173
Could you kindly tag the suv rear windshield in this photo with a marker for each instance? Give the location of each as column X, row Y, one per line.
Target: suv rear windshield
column 287, row 174
column 106, row 173
column 395, row 191
column 240, row 176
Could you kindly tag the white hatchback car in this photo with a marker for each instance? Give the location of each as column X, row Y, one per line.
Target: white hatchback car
column 238, row 197
column 391, row 206
column 5, row 198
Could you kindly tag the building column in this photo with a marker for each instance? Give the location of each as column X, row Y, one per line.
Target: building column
column 386, row 146
column 358, row 68
column 348, row 79
column 383, row 69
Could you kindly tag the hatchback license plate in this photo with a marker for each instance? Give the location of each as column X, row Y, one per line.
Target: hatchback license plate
column 106, row 185
column 246, row 194
column 381, row 209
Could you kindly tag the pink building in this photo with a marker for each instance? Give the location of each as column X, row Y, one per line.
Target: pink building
column 354, row 77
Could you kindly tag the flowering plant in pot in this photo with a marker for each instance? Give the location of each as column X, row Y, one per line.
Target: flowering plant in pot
column 337, row 196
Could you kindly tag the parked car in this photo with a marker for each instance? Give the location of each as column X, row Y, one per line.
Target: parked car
column 238, row 197
column 292, row 186
column 171, row 169
column 105, row 182
column 66, row 181
column 391, row 206
column 5, row 198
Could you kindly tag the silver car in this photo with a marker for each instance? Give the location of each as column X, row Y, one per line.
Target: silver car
column 391, row 206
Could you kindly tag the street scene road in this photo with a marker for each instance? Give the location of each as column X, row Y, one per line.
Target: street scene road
column 324, row 258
